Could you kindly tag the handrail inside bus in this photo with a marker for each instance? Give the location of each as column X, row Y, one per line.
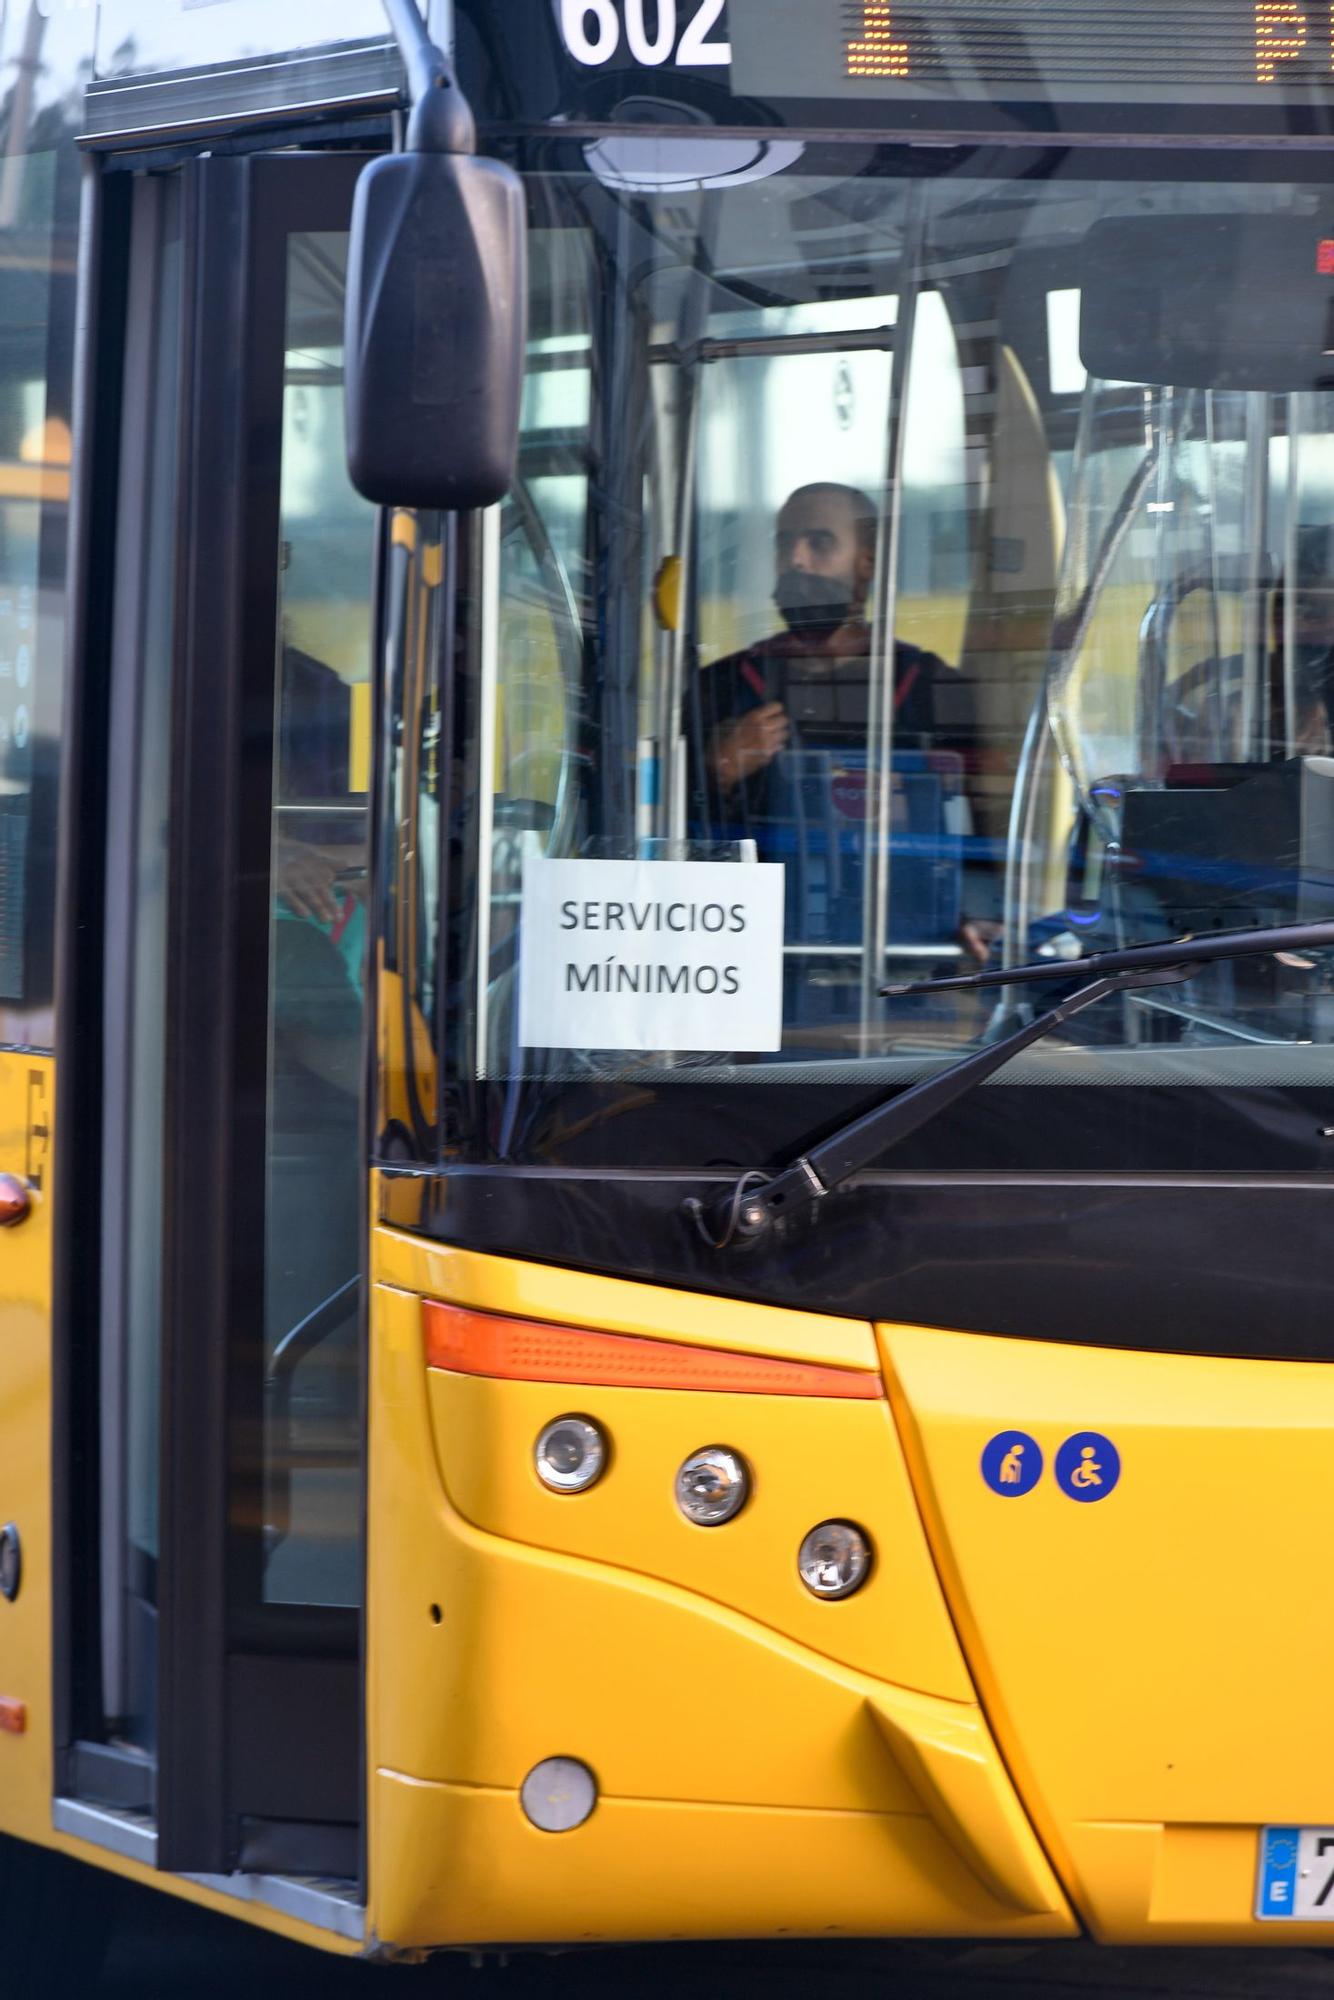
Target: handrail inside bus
column 873, row 339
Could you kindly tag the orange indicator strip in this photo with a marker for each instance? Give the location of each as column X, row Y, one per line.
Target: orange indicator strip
column 525, row 1350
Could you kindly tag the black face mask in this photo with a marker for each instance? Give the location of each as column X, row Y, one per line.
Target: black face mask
column 812, row 607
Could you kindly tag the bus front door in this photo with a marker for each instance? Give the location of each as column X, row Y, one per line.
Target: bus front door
column 218, row 1696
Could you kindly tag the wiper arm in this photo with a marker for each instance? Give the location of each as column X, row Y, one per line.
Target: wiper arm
column 1192, row 950
column 756, row 1201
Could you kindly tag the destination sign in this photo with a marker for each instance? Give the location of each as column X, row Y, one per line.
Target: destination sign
column 1108, row 51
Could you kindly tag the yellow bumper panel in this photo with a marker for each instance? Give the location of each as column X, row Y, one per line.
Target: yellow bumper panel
column 653, row 1868
column 765, row 1764
column 1141, row 1614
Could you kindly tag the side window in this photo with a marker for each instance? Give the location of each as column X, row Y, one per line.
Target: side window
column 23, row 468
column 39, row 201
column 411, row 831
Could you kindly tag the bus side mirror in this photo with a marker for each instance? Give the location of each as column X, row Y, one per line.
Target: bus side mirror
column 436, row 309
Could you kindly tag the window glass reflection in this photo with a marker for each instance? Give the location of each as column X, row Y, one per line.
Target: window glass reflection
column 829, row 551
column 46, row 64
column 133, row 40
column 317, row 960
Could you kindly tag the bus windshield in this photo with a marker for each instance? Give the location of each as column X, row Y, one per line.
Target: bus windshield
column 842, row 628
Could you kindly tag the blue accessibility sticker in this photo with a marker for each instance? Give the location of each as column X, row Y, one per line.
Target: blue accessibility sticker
column 1088, row 1466
column 1012, row 1463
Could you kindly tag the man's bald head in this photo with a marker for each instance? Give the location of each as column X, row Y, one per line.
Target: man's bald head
column 828, row 500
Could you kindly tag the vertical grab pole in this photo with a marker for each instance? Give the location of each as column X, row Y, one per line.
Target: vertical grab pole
column 692, row 330
column 1297, row 413
column 1255, row 675
column 880, row 694
column 1216, row 696
column 671, row 712
column 486, row 776
column 1155, row 638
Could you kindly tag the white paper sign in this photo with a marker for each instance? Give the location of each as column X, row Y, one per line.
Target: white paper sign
column 651, row 955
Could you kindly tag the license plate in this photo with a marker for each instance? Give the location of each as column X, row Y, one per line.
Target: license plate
column 1296, row 1873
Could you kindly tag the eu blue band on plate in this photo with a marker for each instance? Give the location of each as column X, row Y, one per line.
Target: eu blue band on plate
column 1278, row 1871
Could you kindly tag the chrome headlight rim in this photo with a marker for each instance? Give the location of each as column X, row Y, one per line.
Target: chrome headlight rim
column 591, row 1468
column 862, row 1550
column 732, row 1465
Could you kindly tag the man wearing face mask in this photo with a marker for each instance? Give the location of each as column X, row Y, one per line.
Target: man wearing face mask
column 808, row 684
column 782, row 728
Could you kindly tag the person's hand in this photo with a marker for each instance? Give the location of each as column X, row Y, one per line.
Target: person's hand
column 747, row 745
column 977, row 935
column 305, row 877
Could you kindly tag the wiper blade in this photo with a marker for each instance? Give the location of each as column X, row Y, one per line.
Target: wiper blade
column 1201, row 948
column 756, row 1201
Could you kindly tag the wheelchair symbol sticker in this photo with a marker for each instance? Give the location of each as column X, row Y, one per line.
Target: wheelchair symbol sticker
column 1012, row 1463
column 1088, row 1465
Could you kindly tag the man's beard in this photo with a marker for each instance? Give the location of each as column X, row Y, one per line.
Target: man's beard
column 813, row 607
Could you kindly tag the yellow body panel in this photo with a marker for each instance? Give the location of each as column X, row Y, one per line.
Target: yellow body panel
column 813, row 1460
column 25, row 1444
column 27, row 1091
column 654, row 1869
column 1143, row 1659
column 752, row 1780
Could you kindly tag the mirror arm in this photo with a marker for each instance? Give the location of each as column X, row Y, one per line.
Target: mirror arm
column 441, row 120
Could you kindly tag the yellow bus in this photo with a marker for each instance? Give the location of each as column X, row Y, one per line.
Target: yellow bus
column 666, row 1014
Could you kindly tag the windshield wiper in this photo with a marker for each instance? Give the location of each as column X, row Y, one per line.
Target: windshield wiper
column 1195, row 948
column 756, row 1201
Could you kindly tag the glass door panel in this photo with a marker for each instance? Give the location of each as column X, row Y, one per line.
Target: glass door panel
column 134, row 992
column 313, row 1174
column 262, row 1023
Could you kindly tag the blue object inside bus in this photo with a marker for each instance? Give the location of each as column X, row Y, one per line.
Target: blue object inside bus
column 819, row 831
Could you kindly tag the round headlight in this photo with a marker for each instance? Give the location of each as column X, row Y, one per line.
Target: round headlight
column 570, row 1455
column 835, row 1559
column 712, row 1486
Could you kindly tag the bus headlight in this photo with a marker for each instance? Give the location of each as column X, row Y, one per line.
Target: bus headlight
column 834, row 1560
column 570, row 1455
column 712, row 1486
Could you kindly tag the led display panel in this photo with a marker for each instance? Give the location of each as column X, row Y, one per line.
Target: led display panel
column 1094, row 51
